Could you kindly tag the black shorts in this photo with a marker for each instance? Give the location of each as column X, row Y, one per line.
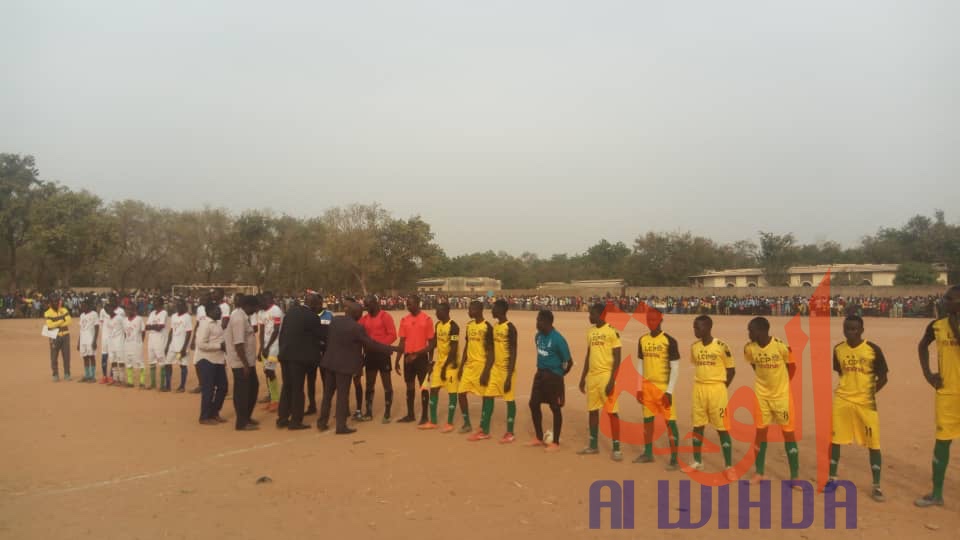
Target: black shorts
column 548, row 387
column 418, row 368
column 377, row 361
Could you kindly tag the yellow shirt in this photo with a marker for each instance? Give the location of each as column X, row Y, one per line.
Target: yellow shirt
column 448, row 333
column 948, row 354
column 479, row 341
column 859, row 368
column 504, row 341
column 602, row 342
column 656, row 354
column 62, row 324
column 711, row 362
column 770, row 365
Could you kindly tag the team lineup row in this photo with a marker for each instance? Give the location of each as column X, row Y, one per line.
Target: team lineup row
column 430, row 356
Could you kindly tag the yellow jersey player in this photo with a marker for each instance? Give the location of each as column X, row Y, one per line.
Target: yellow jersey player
column 477, row 352
column 658, row 364
column 445, row 347
column 945, row 332
column 500, row 378
column 773, row 366
column 863, row 372
column 713, row 372
column 598, row 377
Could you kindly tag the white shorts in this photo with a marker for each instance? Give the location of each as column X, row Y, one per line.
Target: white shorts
column 87, row 349
column 114, row 357
column 171, row 359
column 155, row 354
column 133, row 358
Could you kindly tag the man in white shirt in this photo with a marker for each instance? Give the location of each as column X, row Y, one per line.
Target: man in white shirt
column 241, row 342
column 181, row 329
column 225, row 308
column 201, row 315
column 157, row 330
column 114, row 332
column 211, row 349
column 105, row 313
column 87, row 345
column 133, row 329
column 270, row 318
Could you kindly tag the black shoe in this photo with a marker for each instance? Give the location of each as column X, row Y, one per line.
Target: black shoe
column 346, row 431
column 253, row 422
column 248, row 427
column 196, row 390
column 357, row 416
column 367, row 417
column 323, row 427
column 407, row 419
column 422, row 422
column 297, row 427
column 283, row 423
column 311, row 410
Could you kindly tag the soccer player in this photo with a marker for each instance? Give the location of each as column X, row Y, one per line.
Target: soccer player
column 157, row 330
column 774, row 368
column 553, row 362
column 477, row 352
column 416, row 332
column 714, row 371
column 380, row 327
column 270, row 319
column 217, row 297
column 104, row 315
column 181, row 330
column 597, row 379
column 87, row 345
column 58, row 318
column 658, row 363
column 116, row 347
column 945, row 332
column 500, row 377
column 863, row 372
column 445, row 349
column 133, row 330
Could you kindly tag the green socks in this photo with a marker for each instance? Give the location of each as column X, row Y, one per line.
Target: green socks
column 153, row 376
column 793, row 456
column 834, row 459
column 129, row 375
column 648, row 432
column 433, row 407
column 697, row 444
column 485, row 414
column 727, row 445
column 672, row 425
column 616, row 445
column 273, row 386
column 875, row 464
column 143, row 377
column 451, row 408
column 941, row 457
column 761, row 457
column 511, row 415
column 593, row 436
column 163, row 377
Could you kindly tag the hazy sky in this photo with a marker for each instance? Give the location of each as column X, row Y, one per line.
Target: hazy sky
column 524, row 125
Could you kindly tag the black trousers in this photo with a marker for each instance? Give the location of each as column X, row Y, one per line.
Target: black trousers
column 213, row 388
column 339, row 384
column 292, row 375
column 373, row 364
column 60, row 346
column 245, row 388
column 312, row 386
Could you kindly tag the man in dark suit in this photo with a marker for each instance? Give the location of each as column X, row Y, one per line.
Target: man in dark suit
column 302, row 338
column 342, row 360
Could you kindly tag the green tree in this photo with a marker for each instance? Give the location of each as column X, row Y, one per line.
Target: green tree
column 19, row 189
column 915, row 273
column 68, row 231
column 353, row 235
column 775, row 255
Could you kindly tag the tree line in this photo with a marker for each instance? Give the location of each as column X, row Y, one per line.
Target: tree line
column 55, row 237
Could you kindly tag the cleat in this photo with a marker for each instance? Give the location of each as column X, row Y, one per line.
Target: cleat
column 644, row 458
column 536, row 443
column 730, row 474
column 467, row 428
column 428, row 425
column 927, row 501
column 56, row 378
column 478, row 436
column 877, row 494
column 588, row 451
column 695, row 466
column 386, row 420
column 103, row 380
column 366, row 417
column 66, row 377
column 357, row 416
column 830, row 486
column 447, row 428
column 552, row 447
column 507, row 438
column 617, row 455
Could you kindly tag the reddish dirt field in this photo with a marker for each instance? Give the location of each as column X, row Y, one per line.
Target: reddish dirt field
column 88, row 461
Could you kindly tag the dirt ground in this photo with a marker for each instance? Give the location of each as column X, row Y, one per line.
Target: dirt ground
column 88, row 461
